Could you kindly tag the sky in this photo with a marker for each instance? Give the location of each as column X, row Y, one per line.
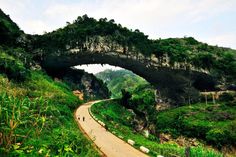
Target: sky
column 210, row 21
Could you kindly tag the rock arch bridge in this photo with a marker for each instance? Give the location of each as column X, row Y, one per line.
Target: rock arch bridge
column 80, row 43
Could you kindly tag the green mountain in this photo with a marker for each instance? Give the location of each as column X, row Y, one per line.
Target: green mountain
column 120, row 79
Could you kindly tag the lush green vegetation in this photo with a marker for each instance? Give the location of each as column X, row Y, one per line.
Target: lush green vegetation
column 36, row 113
column 188, row 52
column 141, row 100
column 119, row 121
column 9, row 31
column 214, row 123
column 77, row 33
column 211, row 123
column 13, row 67
column 120, row 79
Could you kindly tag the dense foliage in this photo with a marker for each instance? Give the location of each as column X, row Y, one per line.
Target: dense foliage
column 77, row 33
column 36, row 119
column 9, row 31
column 189, row 53
column 212, row 123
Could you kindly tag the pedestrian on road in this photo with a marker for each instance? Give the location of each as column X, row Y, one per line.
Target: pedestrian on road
column 83, row 118
column 78, row 118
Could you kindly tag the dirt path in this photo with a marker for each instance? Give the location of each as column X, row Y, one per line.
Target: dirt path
column 108, row 143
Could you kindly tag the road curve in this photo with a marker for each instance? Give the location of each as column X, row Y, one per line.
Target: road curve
column 108, row 143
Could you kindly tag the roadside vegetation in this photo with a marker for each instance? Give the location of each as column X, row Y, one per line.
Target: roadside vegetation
column 119, row 121
column 36, row 113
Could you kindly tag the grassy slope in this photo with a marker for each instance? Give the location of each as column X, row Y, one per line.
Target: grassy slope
column 36, row 115
column 118, row 119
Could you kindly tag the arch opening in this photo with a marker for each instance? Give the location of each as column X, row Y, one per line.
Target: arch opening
column 174, row 84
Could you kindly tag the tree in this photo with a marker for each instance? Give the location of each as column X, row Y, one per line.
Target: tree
column 125, row 98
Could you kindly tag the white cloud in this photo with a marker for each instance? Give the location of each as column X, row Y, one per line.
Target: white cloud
column 151, row 16
column 225, row 40
column 96, row 68
column 36, row 26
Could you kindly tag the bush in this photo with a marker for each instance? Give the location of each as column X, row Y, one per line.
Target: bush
column 226, row 97
column 231, row 103
column 13, row 68
column 220, row 116
column 218, row 137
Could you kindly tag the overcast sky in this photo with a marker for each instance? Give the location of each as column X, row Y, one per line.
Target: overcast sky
column 210, row 21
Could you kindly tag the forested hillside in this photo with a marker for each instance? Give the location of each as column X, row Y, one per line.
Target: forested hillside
column 120, row 79
column 189, row 53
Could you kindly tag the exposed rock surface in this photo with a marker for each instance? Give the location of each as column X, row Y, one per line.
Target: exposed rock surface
column 86, row 86
column 181, row 140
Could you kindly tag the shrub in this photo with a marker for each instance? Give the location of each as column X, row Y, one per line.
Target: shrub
column 226, row 97
column 220, row 116
column 218, row 137
column 13, row 68
column 231, row 103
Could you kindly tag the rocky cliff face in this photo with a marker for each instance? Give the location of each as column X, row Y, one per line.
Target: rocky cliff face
column 93, row 88
column 86, row 86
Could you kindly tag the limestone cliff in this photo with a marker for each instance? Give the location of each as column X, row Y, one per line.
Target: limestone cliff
column 85, row 85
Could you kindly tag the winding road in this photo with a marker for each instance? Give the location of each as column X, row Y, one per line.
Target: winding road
column 109, row 144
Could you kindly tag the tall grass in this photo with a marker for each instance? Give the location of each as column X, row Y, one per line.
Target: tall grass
column 36, row 119
column 20, row 119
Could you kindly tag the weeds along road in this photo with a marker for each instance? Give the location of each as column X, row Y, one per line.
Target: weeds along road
column 108, row 143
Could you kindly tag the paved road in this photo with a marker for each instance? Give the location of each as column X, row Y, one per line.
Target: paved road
column 108, row 143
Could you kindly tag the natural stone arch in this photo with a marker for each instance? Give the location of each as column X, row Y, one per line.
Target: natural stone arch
column 166, row 79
